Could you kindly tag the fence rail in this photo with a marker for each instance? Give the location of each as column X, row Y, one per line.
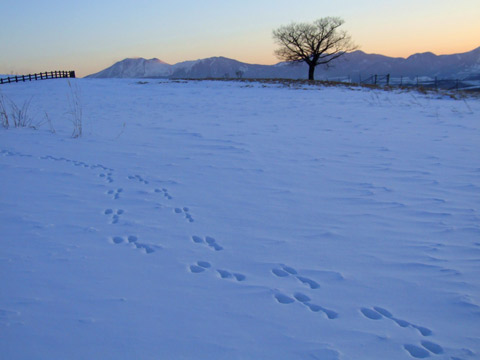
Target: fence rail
column 40, row 76
column 424, row 82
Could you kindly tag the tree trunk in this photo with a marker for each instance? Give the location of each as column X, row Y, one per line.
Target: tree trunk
column 311, row 70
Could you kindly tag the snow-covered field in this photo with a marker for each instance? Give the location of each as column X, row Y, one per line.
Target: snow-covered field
column 223, row 220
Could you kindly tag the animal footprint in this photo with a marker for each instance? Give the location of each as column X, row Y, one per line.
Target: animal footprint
column 210, row 241
column 118, row 239
column 115, row 193
column 378, row 313
column 80, row 163
column 133, row 240
column 316, row 308
column 423, row 330
column 284, row 299
column 213, row 243
column 371, row 314
column 286, row 271
column 301, row 297
column 432, row 347
column 304, row 300
column 115, row 214
column 137, row 178
column 184, row 211
column 165, row 193
column 313, row 284
column 416, row 351
column 100, row 166
column 224, row 274
column 201, row 266
column 108, row 177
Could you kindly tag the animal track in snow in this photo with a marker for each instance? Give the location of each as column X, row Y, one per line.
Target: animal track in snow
column 316, row 308
column 306, row 301
column 13, row 153
column 224, row 274
column 115, row 193
column 371, row 314
column 284, row 299
column 164, row 192
column 286, row 271
column 108, row 177
column 74, row 162
column 432, row 347
column 201, row 266
column 416, row 351
column 377, row 313
column 421, row 353
column 138, row 178
column 185, row 212
column 209, row 241
column 115, row 215
column 133, row 241
column 54, row 158
column 313, row 284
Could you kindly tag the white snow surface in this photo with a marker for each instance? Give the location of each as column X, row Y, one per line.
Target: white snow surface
column 224, row 220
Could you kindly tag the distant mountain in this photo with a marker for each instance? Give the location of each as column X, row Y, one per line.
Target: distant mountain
column 355, row 65
column 135, row 68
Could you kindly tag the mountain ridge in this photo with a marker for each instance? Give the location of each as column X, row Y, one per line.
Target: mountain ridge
column 355, row 65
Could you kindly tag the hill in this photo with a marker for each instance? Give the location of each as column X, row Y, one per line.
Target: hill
column 354, row 65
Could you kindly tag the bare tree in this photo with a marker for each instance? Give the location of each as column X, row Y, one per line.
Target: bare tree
column 317, row 43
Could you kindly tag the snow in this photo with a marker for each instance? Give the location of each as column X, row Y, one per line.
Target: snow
column 229, row 220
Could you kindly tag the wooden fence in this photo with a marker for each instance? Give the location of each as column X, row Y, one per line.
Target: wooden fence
column 40, row 76
column 446, row 84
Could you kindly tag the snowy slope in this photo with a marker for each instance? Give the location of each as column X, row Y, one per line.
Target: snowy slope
column 210, row 220
column 136, row 68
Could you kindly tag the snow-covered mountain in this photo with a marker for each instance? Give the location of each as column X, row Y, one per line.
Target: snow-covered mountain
column 136, row 68
column 355, row 64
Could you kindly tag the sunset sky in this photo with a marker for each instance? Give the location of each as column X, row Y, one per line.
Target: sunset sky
column 90, row 35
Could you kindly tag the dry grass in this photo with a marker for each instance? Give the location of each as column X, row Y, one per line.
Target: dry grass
column 14, row 115
column 301, row 83
column 75, row 110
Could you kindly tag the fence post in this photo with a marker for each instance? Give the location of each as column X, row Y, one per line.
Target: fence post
column 436, row 83
column 456, row 86
column 375, row 80
column 388, row 79
column 417, row 81
column 39, row 76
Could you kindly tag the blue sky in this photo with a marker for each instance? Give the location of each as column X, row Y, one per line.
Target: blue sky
column 90, row 35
